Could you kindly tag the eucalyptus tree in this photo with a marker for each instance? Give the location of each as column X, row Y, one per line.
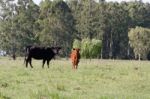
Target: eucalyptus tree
column 19, row 25
column 140, row 42
column 7, row 34
column 139, row 13
column 56, row 23
column 26, row 25
column 115, row 28
column 85, row 16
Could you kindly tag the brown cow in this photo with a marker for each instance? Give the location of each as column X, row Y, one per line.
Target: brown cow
column 75, row 57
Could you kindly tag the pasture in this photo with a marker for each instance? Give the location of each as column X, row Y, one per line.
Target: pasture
column 95, row 79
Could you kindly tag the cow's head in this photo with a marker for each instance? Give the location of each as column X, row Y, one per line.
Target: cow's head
column 76, row 49
column 56, row 49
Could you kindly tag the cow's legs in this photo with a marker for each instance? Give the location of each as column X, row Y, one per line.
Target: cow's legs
column 48, row 63
column 43, row 63
column 72, row 65
column 76, row 66
column 26, row 60
column 30, row 61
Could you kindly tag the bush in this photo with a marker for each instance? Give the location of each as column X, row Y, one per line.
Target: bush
column 85, row 48
column 76, row 44
column 96, row 48
column 89, row 48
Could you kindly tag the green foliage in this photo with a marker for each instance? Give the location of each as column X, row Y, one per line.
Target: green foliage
column 59, row 22
column 89, row 48
column 139, row 40
column 95, row 48
column 18, row 28
column 56, row 24
column 86, row 48
column 76, row 44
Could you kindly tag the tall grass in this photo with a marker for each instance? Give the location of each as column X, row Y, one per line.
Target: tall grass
column 94, row 79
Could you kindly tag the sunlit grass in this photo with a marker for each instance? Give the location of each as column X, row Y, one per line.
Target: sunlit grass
column 94, row 79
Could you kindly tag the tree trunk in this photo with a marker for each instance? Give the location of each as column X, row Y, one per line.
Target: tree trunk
column 139, row 56
column 110, row 47
column 102, row 53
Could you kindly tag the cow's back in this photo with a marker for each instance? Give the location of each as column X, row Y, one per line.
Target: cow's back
column 41, row 53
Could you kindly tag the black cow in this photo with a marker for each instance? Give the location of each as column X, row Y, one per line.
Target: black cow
column 44, row 53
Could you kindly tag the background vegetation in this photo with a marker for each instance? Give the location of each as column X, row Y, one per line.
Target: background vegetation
column 60, row 22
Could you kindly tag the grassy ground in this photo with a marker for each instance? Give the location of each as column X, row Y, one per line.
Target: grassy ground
column 95, row 79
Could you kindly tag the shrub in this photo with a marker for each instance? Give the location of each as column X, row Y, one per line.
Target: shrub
column 89, row 48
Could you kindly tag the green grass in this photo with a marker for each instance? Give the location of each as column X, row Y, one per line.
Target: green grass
column 95, row 79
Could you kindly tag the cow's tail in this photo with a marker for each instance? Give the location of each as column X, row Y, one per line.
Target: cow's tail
column 25, row 60
column 26, row 53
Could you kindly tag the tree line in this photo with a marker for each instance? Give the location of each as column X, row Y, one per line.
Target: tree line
column 121, row 28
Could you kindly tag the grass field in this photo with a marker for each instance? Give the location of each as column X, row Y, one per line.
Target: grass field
column 94, row 79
